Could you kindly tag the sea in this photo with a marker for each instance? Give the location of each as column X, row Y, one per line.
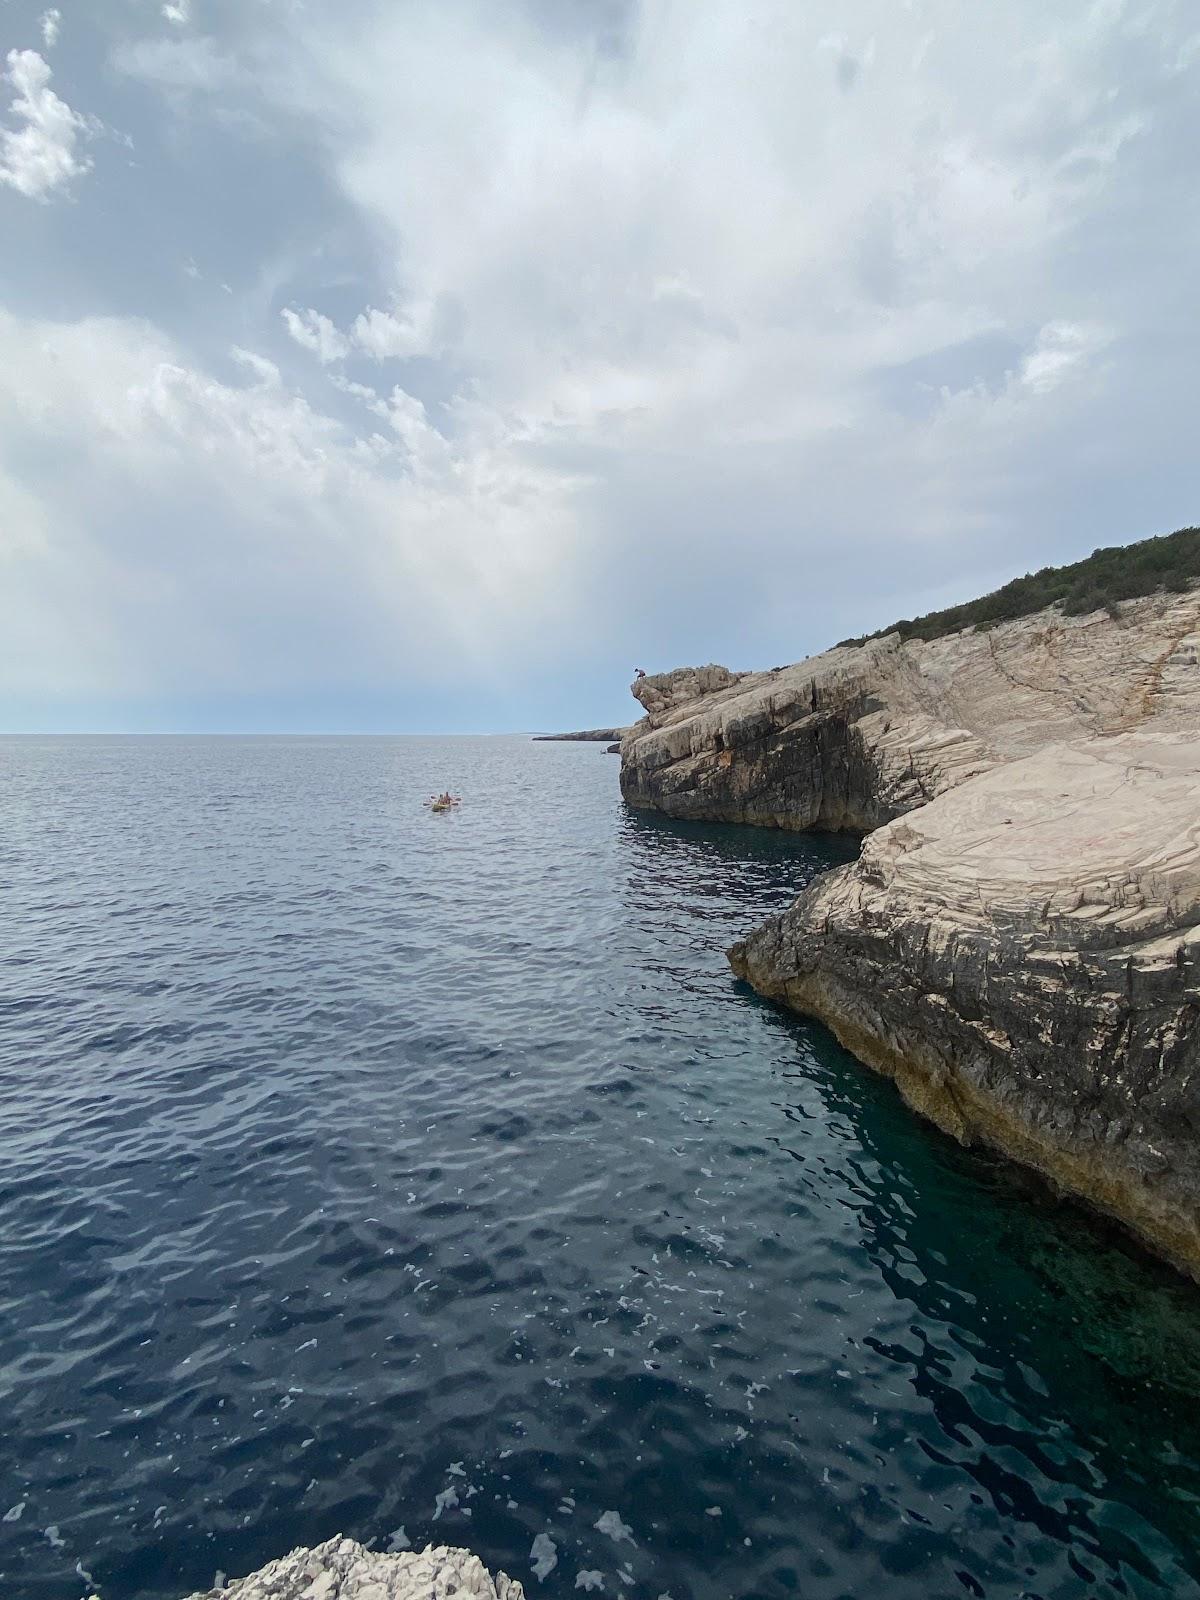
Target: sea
column 428, row 1177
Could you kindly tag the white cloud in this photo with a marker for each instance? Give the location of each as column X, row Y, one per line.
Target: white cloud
column 641, row 267
column 428, row 450
column 51, row 24
column 177, row 11
column 405, row 415
column 42, row 156
column 1061, row 350
column 189, row 64
column 316, row 333
column 360, row 391
column 266, row 372
column 827, row 285
column 385, row 334
column 358, row 553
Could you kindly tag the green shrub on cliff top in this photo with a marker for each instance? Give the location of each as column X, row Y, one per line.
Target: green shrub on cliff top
column 1100, row 581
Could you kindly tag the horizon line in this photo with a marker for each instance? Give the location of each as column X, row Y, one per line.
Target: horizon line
column 286, row 733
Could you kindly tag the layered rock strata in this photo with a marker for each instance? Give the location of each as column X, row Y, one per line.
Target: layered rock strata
column 859, row 735
column 1017, row 944
column 340, row 1569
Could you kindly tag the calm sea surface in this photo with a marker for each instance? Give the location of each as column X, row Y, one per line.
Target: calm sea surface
column 424, row 1177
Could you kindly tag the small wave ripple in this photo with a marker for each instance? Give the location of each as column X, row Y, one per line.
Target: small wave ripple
column 429, row 1178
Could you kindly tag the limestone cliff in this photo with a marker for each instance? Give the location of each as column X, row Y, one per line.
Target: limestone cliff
column 859, row 735
column 1017, row 944
column 340, row 1569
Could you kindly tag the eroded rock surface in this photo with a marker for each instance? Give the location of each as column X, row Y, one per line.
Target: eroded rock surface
column 857, row 736
column 1017, row 944
column 340, row 1569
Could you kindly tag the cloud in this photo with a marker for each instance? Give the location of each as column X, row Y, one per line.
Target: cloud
column 266, row 372
column 385, row 334
column 41, row 157
column 299, row 548
column 51, row 23
column 1061, row 350
column 314, row 332
column 406, row 416
column 360, row 391
column 721, row 268
column 429, row 452
column 195, row 65
column 177, row 11
column 732, row 330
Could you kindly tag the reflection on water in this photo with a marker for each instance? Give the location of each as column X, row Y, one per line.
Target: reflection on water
column 424, row 1177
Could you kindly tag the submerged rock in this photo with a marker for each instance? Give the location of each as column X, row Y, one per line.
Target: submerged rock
column 340, row 1569
column 1017, row 944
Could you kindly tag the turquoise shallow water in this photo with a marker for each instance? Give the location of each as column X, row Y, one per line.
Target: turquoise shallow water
column 429, row 1177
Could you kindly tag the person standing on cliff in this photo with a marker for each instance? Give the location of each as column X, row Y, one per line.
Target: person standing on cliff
column 639, row 672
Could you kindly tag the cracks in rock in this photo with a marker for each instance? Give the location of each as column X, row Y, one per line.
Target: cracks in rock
column 1139, row 707
column 1079, row 704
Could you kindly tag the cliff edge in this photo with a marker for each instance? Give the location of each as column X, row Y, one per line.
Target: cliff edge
column 1017, row 944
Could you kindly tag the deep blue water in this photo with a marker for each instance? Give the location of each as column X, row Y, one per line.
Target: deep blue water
column 430, row 1178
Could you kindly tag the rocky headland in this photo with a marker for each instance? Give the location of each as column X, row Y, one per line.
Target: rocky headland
column 1017, row 943
column 587, row 736
column 340, row 1569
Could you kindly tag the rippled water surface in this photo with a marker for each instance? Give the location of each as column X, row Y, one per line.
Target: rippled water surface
column 430, row 1178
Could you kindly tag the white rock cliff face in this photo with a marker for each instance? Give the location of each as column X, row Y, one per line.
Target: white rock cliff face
column 1017, row 944
column 340, row 1569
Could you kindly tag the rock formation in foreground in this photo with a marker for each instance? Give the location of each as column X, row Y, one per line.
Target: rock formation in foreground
column 1017, row 944
column 340, row 1569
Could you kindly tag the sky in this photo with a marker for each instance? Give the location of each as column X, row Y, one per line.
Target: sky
column 428, row 365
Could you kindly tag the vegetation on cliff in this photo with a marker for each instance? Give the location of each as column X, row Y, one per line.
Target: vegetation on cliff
column 1118, row 572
